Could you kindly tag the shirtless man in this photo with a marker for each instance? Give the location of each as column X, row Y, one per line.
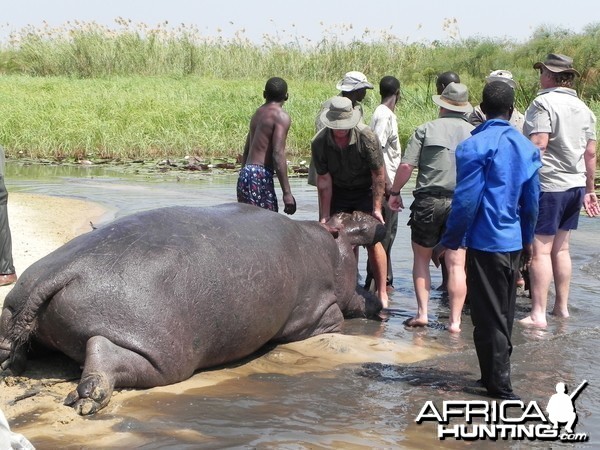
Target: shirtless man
column 264, row 152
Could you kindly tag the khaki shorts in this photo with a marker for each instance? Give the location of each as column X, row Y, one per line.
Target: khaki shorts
column 428, row 215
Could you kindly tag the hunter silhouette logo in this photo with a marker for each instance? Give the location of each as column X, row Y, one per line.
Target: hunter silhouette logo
column 509, row 419
column 561, row 406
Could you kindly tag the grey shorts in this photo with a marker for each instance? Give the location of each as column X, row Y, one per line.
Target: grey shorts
column 428, row 215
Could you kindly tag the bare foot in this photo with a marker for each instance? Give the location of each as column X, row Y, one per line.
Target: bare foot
column 414, row 322
column 556, row 312
column 530, row 322
column 453, row 327
column 385, row 302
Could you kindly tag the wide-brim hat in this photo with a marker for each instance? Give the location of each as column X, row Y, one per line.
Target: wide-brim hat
column 557, row 63
column 353, row 81
column 340, row 115
column 502, row 75
column 455, row 97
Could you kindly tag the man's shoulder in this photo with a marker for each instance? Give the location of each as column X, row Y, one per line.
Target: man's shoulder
column 365, row 131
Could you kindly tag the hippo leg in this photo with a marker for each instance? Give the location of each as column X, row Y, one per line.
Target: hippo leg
column 107, row 365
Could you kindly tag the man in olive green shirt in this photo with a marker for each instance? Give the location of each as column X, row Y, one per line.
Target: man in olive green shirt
column 431, row 151
column 350, row 170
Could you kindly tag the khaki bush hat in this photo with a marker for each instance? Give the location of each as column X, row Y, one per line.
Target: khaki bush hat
column 501, row 75
column 353, row 81
column 557, row 63
column 340, row 115
column 454, row 98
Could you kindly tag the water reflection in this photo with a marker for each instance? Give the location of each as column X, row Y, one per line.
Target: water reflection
column 358, row 405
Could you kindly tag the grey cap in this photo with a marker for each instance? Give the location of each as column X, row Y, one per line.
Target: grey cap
column 454, row 98
column 353, row 81
column 502, row 75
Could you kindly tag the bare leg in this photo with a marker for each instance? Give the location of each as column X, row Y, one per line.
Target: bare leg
column 540, row 274
column 378, row 259
column 562, row 269
column 457, row 286
column 422, row 283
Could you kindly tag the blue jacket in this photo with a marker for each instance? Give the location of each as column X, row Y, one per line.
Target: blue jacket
column 495, row 204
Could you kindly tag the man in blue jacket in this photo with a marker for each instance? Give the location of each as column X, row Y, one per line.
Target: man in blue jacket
column 493, row 214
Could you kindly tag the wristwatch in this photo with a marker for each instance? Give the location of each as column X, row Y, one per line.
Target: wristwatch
column 395, row 194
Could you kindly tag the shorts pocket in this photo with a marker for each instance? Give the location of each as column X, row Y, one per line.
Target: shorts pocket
column 422, row 210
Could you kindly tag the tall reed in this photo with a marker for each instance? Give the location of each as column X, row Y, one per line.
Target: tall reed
column 85, row 88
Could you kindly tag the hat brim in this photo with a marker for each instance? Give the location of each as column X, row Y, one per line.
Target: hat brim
column 555, row 69
column 438, row 100
column 341, row 124
column 360, row 85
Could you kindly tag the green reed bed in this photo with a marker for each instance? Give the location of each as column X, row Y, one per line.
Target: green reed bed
column 88, row 91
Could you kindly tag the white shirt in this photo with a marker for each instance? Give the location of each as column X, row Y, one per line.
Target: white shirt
column 385, row 126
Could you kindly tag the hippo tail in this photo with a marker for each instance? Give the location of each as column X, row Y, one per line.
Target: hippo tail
column 27, row 299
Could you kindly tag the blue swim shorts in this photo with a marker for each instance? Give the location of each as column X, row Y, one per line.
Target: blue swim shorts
column 255, row 186
column 559, row 211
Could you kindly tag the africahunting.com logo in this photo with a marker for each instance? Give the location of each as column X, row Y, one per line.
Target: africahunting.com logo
column 509, row 419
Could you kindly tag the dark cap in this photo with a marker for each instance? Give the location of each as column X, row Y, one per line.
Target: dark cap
column 557, row 63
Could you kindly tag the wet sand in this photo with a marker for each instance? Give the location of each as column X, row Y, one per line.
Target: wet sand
column 32, row 403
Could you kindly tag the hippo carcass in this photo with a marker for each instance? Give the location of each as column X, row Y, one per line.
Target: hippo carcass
column 152, row 297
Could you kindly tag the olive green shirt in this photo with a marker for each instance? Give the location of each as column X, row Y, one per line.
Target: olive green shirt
column 431, row 150
column 351, row 167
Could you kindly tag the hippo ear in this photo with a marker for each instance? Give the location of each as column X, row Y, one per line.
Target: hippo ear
column 335, row 231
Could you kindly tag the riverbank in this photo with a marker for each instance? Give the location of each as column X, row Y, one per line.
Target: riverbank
column 40, row 224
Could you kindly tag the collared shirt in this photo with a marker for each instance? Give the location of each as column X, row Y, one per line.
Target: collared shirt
column 495, row 203
column 431, row 149
column 570, row 125
column 351, row 167
column 385, row 125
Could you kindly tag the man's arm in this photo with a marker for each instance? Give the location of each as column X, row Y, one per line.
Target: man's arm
column 540, row 140
column 246, row 149
column 378, row 188
column 402, row 176
column 324, row 188
column 590, row 201
column 280, row 132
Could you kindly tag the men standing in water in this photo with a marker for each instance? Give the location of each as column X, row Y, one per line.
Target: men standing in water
column 351, row 174
column 564, row 129
column 385, row 125
column 354, row 86
column 431, row 150
column 493, row 214
column 264, row 152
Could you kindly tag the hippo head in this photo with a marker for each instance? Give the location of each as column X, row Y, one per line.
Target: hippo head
column 360, row 228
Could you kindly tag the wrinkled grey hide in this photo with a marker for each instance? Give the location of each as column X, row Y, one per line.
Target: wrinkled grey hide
column 152, row 297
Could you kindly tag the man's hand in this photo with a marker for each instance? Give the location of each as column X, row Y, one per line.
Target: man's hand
column 290, row 204
column 395, row 202
column 591, row 205
column 437, row 253
column 526, row 256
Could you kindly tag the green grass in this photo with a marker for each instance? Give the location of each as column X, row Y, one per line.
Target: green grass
column 85, row 91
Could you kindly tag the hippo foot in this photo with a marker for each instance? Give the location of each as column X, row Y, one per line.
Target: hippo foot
column 92, row 394
column 15, row 361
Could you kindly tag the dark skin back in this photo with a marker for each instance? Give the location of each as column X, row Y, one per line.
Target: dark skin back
column 265, row 145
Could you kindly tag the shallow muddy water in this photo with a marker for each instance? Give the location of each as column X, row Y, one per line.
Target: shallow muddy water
column 304, row 402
